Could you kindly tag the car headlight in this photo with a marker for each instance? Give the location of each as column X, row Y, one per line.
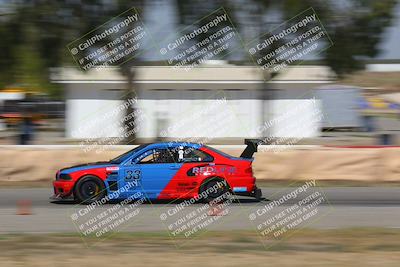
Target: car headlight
column 64, row 177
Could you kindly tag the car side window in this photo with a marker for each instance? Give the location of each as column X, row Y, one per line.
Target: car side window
column 189, row 154
column 156, row 156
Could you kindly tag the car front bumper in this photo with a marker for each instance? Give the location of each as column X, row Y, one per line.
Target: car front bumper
column 62, row 189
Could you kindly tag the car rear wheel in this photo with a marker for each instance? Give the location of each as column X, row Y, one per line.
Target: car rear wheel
column 89, row 189
column 214, row 189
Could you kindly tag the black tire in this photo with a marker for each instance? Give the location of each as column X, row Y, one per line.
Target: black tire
column 258, row 194
column 89, row 189
column 209, row 196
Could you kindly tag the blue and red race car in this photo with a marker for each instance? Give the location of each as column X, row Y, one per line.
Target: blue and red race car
column 169, row 170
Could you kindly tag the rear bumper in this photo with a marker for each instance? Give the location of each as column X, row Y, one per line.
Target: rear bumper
column 256, row 193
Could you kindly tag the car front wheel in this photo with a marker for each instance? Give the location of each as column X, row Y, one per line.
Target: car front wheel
column 89, row 189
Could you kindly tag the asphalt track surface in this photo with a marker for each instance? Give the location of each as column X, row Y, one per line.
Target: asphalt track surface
column 339, row 207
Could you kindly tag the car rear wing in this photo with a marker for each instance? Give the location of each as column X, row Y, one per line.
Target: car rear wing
column 252, row 145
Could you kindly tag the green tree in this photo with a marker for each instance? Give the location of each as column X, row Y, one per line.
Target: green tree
column 355, row 27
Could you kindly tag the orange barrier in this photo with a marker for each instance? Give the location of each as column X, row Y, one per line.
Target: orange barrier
column 24, row 207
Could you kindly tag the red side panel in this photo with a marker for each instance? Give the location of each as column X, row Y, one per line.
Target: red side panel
column 187, row 181
column 67, row 186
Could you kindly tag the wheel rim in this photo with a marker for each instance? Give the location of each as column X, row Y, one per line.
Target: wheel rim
column 220, row 189
column 90, row 190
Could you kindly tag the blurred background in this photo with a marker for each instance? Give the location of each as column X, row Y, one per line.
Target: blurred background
column 333, row 116
column 45, row 98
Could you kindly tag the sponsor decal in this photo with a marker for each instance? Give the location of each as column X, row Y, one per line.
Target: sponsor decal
column 207, row 170
column 240, row 189
column 112, row 168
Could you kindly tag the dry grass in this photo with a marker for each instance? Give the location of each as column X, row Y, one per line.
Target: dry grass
column 350, row 247
column 26, row 184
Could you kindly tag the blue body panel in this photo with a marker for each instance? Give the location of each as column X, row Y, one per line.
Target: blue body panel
column 149, row 179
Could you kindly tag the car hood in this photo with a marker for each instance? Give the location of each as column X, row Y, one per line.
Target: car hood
column 87, row 166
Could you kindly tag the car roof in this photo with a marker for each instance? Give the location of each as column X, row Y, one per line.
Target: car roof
column 174, row 144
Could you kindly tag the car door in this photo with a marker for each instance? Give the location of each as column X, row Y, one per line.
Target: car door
column 189, row 179
column 158, row 166
column 129, row 179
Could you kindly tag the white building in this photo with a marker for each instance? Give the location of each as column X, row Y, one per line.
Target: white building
column 177, row 103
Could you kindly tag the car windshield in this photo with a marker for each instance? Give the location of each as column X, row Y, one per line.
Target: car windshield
column 124, row 156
